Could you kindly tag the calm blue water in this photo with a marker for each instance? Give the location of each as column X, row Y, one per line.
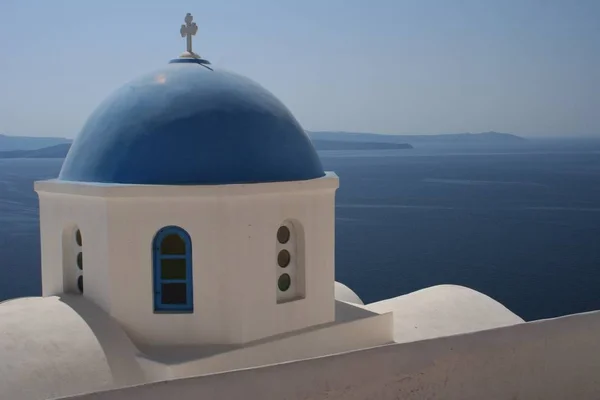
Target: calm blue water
column 523, row 227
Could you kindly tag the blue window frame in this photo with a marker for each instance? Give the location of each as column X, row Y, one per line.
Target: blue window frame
column 172, row 259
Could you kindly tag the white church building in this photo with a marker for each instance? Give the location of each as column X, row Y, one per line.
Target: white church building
column 188, row 253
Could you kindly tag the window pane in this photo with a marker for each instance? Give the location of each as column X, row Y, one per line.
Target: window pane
column 174, row 293
column 172, row 244
column 284, row 282
column 173, row 268
column 283, row 234
column 283, row 258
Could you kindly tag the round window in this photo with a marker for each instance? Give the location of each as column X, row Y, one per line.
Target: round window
column 283, row 258
column 78, row 237
column 80, row 260
column 284, row 282
column 283, row 234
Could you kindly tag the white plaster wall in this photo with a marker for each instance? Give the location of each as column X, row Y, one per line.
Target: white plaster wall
column 344, row 293
column 443, row 310
column 233, row 230
column 59, row 346
column 554, row 359
column 59, row 211
column 133, row 224
column 355, row 328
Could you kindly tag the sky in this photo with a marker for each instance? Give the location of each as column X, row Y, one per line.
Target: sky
column 528, row 67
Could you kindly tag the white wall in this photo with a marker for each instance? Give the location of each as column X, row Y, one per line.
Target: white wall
column 58, row 346
column 354, row 328
column 548, row 360
column 443, row 310
column 344, row 293
column 60, row 213
column 233, row 231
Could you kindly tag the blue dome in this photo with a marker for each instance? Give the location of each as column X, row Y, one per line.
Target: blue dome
column 190, row 124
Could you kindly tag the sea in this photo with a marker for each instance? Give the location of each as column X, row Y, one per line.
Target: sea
column 520, row 225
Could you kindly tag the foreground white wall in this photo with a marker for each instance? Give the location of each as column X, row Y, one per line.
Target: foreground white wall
column 354, row 328
column 443, row 310
column 550, row 359
column 58, row 346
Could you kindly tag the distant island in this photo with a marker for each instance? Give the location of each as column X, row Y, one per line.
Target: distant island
column 488, row 139
column 8, row 142
column 56, row 151
column 347, row 145
column 61, row 150
column 56, row 147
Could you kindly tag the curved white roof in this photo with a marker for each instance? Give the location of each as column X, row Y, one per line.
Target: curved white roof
column 58, row 346
column 344, row 293
column 443, row 310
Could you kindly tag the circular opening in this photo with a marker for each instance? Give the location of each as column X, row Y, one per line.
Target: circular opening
column 78, row 237
column 80, row 260
column 283, row 234
column 80, row 284
column 284, row 282
column 283, row 258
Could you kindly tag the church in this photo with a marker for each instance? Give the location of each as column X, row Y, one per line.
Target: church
column 188, row 252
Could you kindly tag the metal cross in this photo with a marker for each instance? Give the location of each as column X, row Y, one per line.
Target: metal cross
column 188, row 30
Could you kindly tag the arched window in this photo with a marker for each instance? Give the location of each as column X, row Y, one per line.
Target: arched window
column 72, row 253
column 172, row 251
column 289, row 263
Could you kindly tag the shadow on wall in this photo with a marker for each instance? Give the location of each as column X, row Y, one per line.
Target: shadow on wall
column 119, row 350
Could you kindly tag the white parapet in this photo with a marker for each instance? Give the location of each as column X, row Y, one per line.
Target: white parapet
column 553, row 359
column 443, row 310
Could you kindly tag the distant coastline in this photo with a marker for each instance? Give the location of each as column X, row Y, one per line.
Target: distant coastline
column 56, row 147
column 56, row 151
column 449, row 139
column 10, row 143
column 346, row 145
column 61, row 150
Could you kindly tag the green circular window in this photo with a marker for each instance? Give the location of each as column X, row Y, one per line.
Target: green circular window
column 78, row 237
column 80, row 260
column 283, row 234
column 284, row 282
column 80, row 284
column 284, row 258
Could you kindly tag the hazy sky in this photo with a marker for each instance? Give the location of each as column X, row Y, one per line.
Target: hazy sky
column 529, row 67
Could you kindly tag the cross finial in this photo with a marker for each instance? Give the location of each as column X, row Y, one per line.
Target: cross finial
column 188, row 30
